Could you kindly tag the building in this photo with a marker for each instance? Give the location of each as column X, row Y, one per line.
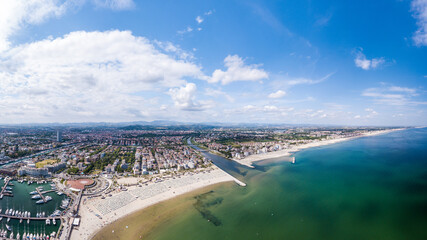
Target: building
column 58, row 136
column 55, row 167
column 33, row 172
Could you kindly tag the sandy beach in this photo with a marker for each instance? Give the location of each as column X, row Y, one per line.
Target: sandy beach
column 97, row 213
column 248, row 161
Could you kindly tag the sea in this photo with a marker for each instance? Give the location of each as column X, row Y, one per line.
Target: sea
column 366, row 188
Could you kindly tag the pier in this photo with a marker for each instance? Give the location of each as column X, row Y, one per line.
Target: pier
column 43, row 192
column 3, row 193
column 31, row 218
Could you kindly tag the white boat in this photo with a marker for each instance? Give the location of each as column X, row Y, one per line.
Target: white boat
column 36, row 197
column 54, row 221
column 48, row 221
column 8, row 219
column 28, row 221
column 20, row 220
column 8, row 228
column 40, row 201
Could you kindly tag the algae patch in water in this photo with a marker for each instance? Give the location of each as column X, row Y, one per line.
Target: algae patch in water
column 203, row 202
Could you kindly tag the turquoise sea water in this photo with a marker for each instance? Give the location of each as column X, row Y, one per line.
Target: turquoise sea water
column 367, row 188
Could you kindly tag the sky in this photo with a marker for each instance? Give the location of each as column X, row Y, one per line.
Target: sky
column 232, row 61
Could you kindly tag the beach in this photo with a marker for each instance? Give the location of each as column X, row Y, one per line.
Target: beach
column 96, row 212
column 248, row 161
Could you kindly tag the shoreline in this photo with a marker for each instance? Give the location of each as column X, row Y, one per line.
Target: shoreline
column 97, row 213
column 248, row 161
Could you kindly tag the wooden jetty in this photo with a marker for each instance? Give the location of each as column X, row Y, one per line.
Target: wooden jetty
column 3, row 189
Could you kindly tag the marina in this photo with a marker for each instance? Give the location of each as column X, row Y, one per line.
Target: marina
column 32, row 211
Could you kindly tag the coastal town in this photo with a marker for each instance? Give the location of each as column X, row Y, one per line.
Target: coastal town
column 99, row 174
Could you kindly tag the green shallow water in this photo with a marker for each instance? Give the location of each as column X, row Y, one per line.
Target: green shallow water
column 367, row 188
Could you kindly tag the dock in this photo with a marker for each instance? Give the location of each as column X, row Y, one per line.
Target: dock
column 43, row 192
column 3, row 189
column 31, row 218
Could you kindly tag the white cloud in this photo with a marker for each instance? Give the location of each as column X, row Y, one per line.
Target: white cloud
column 270, row 108
column 208, row 13
column 362, row 62
column 199, row 19
column 115, row 4
column 95, row 74
column 371, row 112
column 392, row 95
column 298, row 81
column 187, row 30
column 169, row 47
column 184, row 97
column 419, row 7
column 402, row 89
column 249, row 107
column 237, row 71
column 18, row 13
column 278, row 94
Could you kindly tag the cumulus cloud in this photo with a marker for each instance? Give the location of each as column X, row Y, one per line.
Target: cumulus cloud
column 18, row 13
column 184, row 97
column 237, row 70
column 278, row 94
column 199, row 19
column 419, row 8
column 89, row 73
column 362, row 62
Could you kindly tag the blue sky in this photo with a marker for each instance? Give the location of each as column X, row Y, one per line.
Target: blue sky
column 299, row 61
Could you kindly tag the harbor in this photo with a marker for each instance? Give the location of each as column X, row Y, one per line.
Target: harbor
column 30, row 210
